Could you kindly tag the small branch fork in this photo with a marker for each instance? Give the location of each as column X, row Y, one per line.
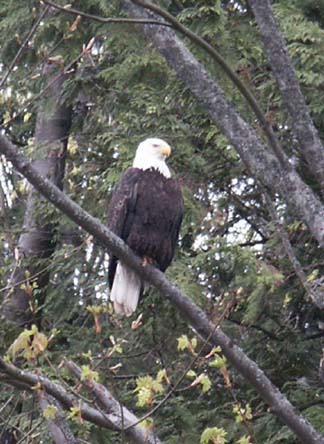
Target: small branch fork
column 100, row 19
column 106, row 416
column 58, row 426
column 314, row 293
column 171, row 21
column 280, row 405
column 124, row 420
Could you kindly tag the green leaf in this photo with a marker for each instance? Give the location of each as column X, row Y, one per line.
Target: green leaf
column 206, row 384
column 213, row 435
column 219, row 361
column 50, row 412
column 88, row 374
column 244, row 440
column 191, row 374
column 314, row 275
column 183, row 342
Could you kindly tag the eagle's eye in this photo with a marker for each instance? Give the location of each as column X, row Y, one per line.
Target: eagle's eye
column 155, row 145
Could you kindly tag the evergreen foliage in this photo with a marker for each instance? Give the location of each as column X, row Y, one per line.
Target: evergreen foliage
column 230, row 259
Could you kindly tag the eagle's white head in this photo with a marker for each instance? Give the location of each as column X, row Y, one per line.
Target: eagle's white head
column 151, row 153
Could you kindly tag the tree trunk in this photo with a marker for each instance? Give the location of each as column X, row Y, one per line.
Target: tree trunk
column 309, row 142
column 196, row 317
column 259, row 159
column 37, row 240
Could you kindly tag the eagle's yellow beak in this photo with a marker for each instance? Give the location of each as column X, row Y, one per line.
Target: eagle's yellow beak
column 166, row 150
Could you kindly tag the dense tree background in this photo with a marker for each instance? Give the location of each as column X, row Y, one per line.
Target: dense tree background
column 244, row 255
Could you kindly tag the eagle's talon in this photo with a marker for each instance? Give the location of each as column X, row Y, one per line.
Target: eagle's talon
column 145, row 210
column 147, row 261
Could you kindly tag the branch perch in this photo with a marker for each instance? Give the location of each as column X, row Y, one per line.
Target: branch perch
column 196, row 317
column 259, row 160
column 108, row 403
column 109, row 420
column 58, row 426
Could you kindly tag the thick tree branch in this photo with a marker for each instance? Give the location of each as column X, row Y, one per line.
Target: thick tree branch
column 196, row 317
column 272, row 140
column 262, row 163
column 26, row 380
column 57, row 426
column 38, row 233
column 108, row 403
column 310, row 144
column 109, row 420
column 314, row 292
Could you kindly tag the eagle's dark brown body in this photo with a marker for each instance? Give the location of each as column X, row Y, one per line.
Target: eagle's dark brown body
column 146, row 210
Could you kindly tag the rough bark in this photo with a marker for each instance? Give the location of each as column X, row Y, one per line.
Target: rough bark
column 309, row 142
column 58, row 426
column 280, row 405
column 123, row 417
column 109, row 418
column 36, row 242
column 261, row 162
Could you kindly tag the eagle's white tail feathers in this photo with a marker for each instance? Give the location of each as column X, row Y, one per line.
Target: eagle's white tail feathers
column 125, row 290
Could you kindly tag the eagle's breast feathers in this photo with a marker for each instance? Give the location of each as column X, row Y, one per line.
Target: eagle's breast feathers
column 146, row 211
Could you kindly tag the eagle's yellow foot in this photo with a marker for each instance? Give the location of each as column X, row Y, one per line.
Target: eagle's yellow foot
column 147, row 261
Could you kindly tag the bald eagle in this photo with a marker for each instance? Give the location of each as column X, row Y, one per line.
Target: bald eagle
column 145, row 210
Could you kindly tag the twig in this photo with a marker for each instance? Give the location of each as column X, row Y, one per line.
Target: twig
column 22, row 47
column 133, row 431
column 35, row 275
column 6, row 403
column 30, row 432
column 266, row 332
column 100, row 19
column 317, row 297
column 190, row 365
column 285, row 411
column 228, row 71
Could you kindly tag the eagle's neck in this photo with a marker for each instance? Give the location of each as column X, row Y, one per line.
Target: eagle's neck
column 147, row 162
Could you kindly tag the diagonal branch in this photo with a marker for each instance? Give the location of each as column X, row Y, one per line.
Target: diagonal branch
column 57, row 426
column 97, row 18
column 310, row 144
column 124, row 419
column 190, row 311
column 231, row 74
column 260, row 161
column 313, row 291
column 109, row 419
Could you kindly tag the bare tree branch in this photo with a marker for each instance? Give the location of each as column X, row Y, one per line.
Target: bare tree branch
column 58, row 426
column 310, row 144
column 23, row 46
column 260, row 161
column 37, row 237
column 97, row 18
column 110, row 419
column 125, row 419
column 314, row 292
column 251, row 100
column 196, row 317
